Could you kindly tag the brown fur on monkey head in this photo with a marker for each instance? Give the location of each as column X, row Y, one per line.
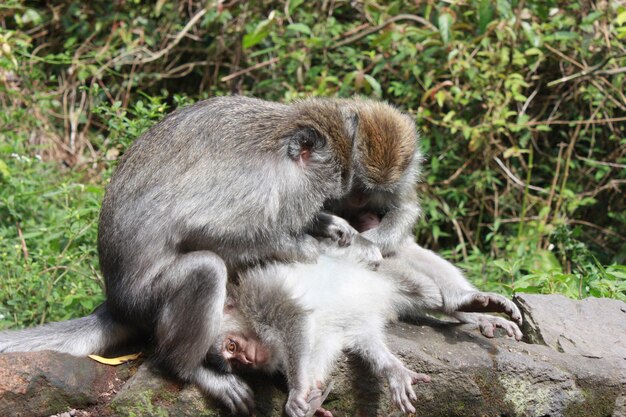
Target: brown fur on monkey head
column 386, row 145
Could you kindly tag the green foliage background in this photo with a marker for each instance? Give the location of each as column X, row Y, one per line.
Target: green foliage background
column 521, row 104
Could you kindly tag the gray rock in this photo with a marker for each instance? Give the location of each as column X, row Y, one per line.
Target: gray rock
column 45, row 383
column 471, row 376
column 593, row 327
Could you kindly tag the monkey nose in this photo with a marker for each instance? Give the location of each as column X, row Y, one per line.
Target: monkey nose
column 244, row 359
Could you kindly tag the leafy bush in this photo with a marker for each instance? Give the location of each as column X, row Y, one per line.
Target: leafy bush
column 521, row 106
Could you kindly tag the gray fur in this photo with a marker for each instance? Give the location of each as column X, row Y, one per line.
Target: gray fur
column 218, row 186
column 433, row 284
column 308, row 313
column 87, row 335
column 295, row 312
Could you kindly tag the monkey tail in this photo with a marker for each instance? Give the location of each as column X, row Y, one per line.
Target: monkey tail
column 92, row 334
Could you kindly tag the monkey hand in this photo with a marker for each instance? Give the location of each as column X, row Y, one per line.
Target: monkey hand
column 316, row 399
column 367, row 252
column 341, row 232
column 401, row 381
column 297, row 404
column 338, row 230
column 362, row 251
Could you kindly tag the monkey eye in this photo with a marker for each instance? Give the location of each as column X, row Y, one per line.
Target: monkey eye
column 231, row 346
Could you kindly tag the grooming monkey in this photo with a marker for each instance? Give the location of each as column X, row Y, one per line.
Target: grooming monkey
column 383, row 207
column 214, row 188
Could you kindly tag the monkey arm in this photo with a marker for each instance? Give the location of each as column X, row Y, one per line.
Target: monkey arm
column 396, row 224
column 282, row 324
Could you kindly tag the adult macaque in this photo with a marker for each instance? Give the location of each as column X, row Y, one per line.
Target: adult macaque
column 382, row 205
column 385, row 174
column 215, row 187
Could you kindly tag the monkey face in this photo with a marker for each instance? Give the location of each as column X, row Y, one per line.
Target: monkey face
column 242, row 350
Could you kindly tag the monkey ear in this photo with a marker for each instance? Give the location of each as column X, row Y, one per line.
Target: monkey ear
column 303, row 142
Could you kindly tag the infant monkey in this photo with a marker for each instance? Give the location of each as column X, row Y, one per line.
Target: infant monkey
column 298, row 318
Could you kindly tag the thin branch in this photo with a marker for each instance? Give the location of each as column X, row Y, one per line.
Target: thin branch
column 383, row 25
column 22, row 242
column 585, row 72
column 177, row 39
column 515, row 179
column 600, row 228
column 578, row 122
column 249, row 69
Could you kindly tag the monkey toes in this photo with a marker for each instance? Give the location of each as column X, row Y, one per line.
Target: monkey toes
column 401, row 382
column 481, row 302
column 234, row 393
column 489, row 324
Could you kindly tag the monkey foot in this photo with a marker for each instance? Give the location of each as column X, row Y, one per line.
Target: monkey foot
column 483, row 302
column 400, row 382
column 488, row 325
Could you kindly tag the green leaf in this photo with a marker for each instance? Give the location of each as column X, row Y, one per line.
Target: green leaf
column 293, row 5
column 445, row 23
column 5, row 174
column 485, row 15
column 299, row 27
column 563, row 36
column 533, row 51
column 531, row 35
column 374, row 84
column 504, row 9
column 260, row 32
column 440, row 96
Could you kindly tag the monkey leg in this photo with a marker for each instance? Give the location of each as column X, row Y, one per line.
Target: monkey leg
column 193, row 292
column 384, row 364
column 417, row 291
column 456, row 293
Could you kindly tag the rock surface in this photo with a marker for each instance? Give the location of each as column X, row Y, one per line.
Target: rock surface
column 593, row 327
column 471, row 375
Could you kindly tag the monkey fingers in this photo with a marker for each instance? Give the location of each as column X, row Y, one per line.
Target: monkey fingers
column 322, row 412
column 334, row 228
column 297, row 404
column 316, row 398
column 341, row 232
column 482, row 302
column 419, row 377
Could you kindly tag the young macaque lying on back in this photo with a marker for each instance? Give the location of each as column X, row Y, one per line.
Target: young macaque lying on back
column 298, row 318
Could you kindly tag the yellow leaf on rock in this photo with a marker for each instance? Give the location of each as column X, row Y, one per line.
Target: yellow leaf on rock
column 115, row 361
